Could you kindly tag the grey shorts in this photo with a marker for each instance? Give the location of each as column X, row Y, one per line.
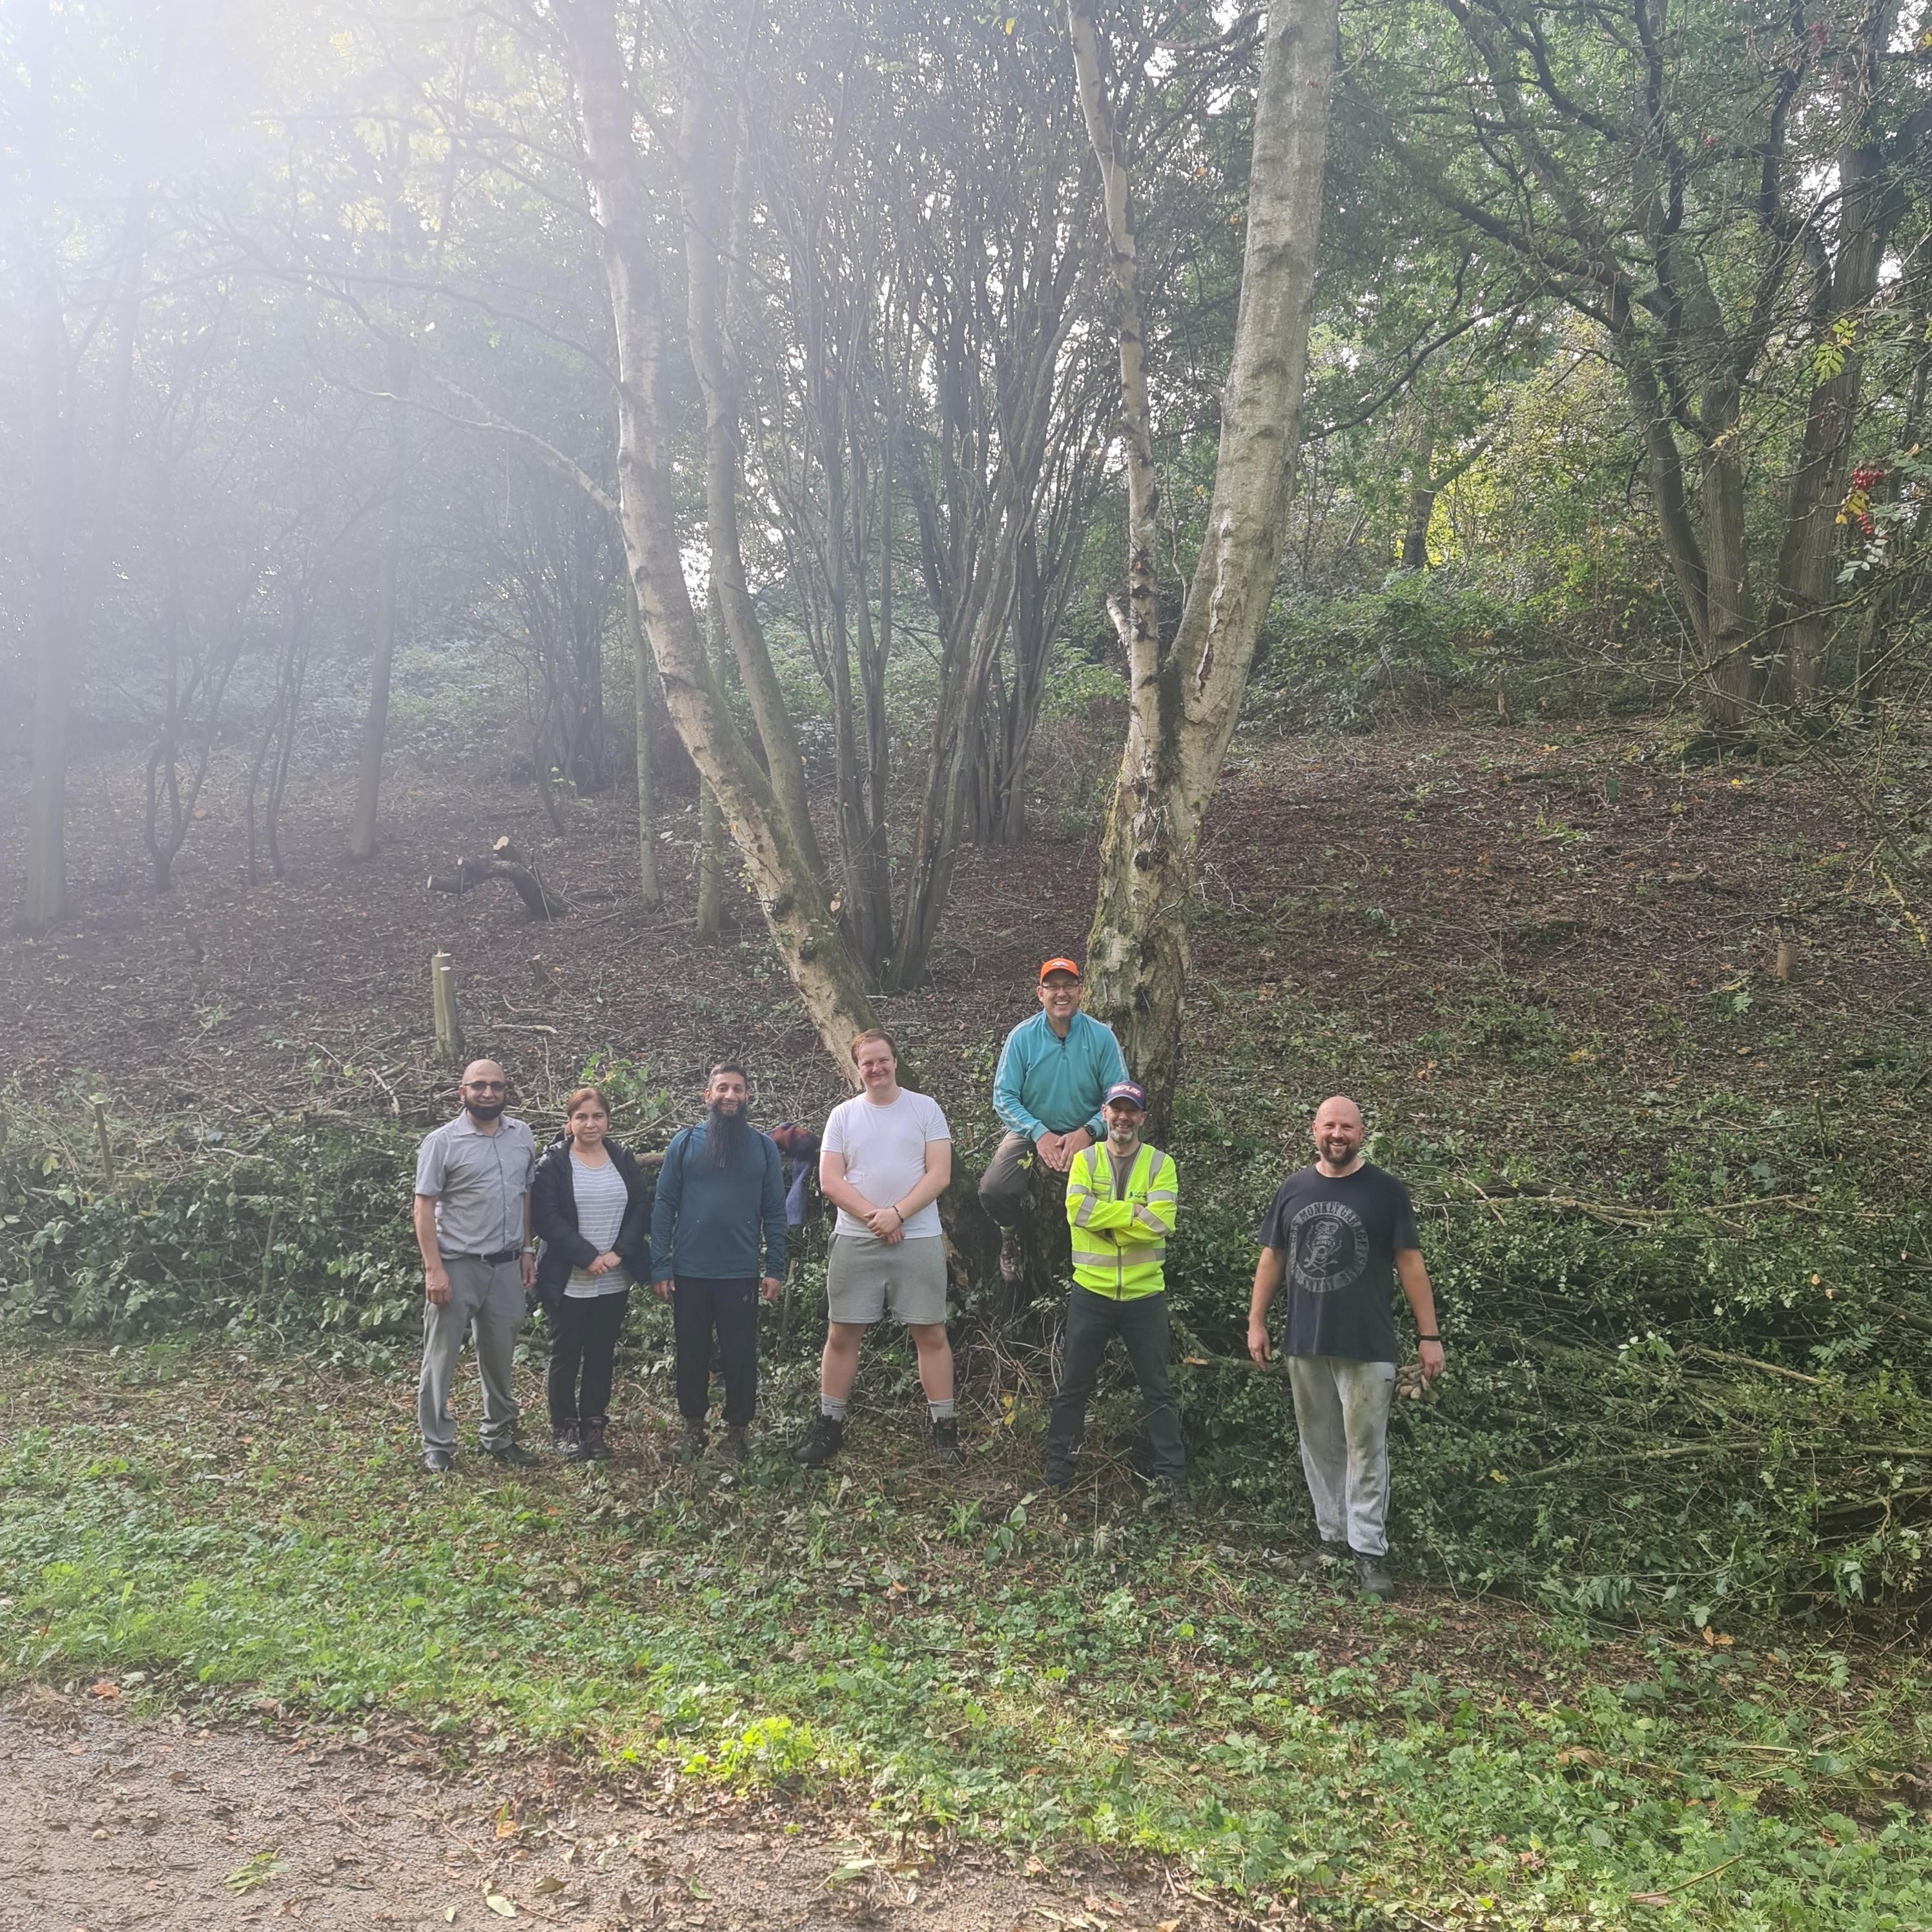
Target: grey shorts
column 864, row 1276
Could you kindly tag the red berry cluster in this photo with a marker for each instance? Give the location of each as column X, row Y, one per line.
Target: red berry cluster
column 1865, row 479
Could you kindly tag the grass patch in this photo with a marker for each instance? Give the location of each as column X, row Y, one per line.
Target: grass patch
column 951, row 1654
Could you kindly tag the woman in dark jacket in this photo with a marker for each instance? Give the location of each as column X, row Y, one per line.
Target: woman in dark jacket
column 591, row 1207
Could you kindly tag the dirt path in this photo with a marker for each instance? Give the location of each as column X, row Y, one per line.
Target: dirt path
column 108, row 1823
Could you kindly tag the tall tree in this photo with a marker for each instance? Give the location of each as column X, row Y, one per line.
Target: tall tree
column 1186, row 684
column 50, row 399
column 1708, row 186
column 781, row 864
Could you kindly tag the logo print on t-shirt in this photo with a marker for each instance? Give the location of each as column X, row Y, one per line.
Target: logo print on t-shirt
column 1330, row 1247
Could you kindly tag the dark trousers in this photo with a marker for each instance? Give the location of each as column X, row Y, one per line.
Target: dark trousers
column 1092, row 1321
column 729, row 1310
column 1003, row 1187
column 582, row 1339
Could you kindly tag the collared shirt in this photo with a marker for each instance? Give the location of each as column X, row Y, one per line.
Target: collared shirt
column 478, row 1182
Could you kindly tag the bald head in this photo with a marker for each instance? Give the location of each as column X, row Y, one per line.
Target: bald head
column 1338, row 1134
column 484, row 1090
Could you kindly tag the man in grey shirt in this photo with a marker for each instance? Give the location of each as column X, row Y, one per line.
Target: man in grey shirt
column 472, row 1220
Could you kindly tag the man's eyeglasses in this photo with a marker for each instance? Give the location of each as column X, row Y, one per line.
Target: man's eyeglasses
column 486, row 1086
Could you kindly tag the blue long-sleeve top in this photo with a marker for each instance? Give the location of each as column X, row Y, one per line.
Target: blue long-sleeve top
column 706, row 1222
column 1045, row 1084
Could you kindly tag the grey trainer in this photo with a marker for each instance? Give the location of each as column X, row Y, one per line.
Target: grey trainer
column 1371, row 1577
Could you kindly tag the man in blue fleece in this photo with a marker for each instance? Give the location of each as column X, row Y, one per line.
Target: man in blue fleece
column 719, row 1192
column 1054, row 1071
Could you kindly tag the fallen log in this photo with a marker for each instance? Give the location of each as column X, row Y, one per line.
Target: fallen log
column 506, row 862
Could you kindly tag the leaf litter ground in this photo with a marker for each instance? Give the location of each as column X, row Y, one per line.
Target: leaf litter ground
column 108, row 1822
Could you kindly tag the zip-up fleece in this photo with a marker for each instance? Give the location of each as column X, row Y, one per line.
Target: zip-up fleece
column 1045, row 1084
column 1120, row 1240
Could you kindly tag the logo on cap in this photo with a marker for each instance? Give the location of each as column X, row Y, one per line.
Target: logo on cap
column 1059, row 966
column 1126, row 1090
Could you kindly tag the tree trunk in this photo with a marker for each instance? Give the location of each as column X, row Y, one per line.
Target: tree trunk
column 781, row 866
column 1185, row 699
column 710, row 164
column 49, row 404
column 1808, row 556
column 1731, row 626
column 50, row 443
column 1421, row 505
column 648, row 888
column 709, row 918
column 382, row 635
column 942, row 813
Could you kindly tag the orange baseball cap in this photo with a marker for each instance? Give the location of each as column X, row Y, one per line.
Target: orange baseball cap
column 1059, row 966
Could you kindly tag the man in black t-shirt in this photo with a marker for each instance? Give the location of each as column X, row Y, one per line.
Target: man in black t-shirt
column 1342, row 1234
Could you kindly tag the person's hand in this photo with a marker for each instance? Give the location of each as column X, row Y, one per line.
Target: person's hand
column 892, row 1236
column 603, row 1265
column 526, row 1266
column 768, row 1289
column 1258, row 1342
column 1431, row 1353
column 435, row 1287
column 885, row 1222
column 661, row 1289
column 1077, row 1141
column 1054, row 1151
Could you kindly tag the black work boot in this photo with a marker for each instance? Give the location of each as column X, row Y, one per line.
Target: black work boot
column 946, row 1450
column 595, row 1449
column 567, row 1443
column 690, row 1443
column 1174, row 1493
column 822, row 1442
column 734, row 1445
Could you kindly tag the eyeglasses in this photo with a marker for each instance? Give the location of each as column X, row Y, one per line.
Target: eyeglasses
column 487, row 1086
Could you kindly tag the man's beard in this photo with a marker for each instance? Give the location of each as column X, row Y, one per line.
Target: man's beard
column 484, row 1110
column 726, row 1136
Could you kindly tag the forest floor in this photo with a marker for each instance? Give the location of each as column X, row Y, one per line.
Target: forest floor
column 943, row 1699
column 1405, row 908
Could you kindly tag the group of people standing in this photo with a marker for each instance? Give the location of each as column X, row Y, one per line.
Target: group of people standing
column 577, row 1227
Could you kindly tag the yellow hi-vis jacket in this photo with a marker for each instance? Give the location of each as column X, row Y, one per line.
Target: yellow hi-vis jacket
column 1120, row 1240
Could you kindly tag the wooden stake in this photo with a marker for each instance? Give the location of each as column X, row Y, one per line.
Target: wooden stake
column 101, row 1140
column 1787, row 954
column 443, row 1009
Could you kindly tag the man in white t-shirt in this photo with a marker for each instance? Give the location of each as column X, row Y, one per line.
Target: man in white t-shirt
column 885, row 1160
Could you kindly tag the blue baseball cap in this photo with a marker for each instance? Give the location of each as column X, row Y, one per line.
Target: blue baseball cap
column 1127, row 1090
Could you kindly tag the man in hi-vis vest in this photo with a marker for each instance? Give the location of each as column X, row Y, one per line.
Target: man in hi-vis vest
column 1120, row 1200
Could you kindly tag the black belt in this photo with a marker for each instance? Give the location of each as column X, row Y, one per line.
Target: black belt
column 501, row 1256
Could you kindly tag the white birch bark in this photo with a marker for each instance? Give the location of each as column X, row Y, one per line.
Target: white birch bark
column 1186, row 691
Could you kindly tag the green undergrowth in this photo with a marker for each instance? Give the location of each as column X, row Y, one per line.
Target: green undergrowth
column 212, row 1532
column 1690, row 1343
